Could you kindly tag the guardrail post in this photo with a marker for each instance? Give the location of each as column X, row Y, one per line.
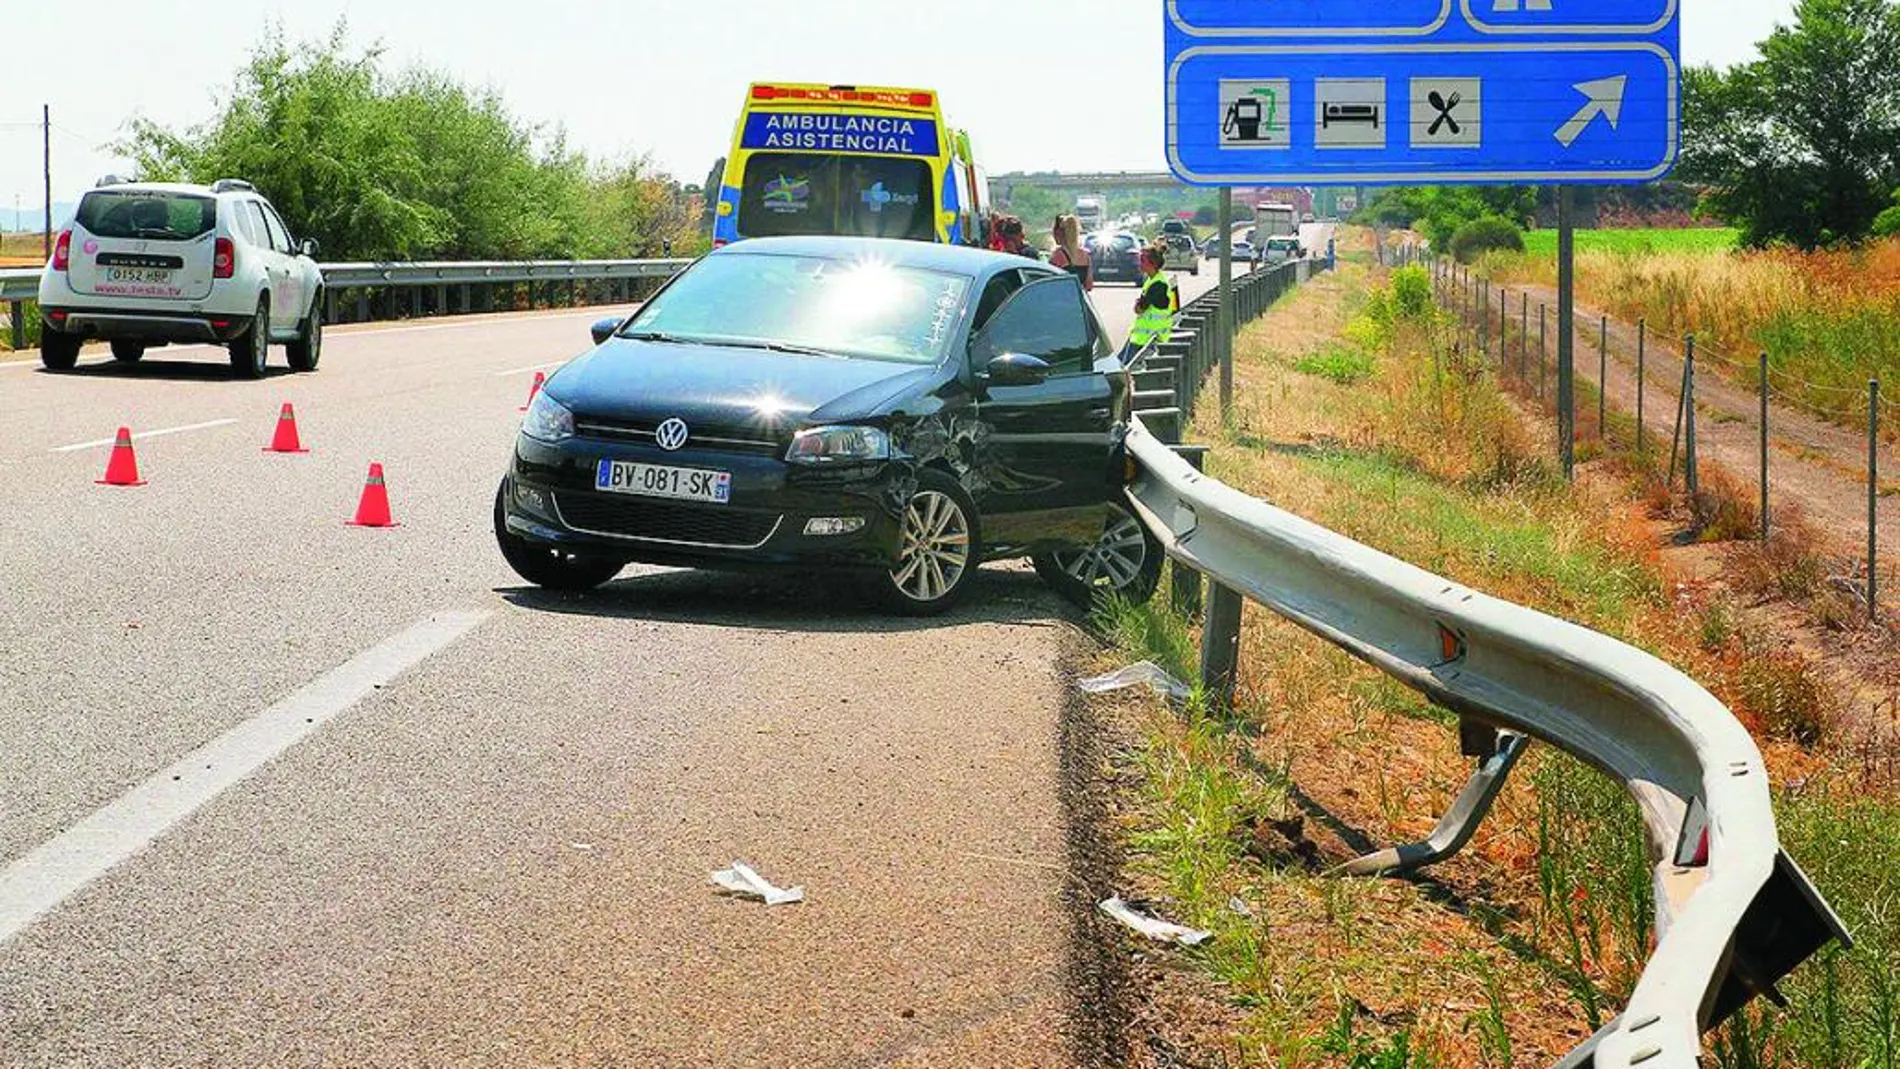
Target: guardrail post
column 329, row 305
column 1220, row 646
column 362, row 305
column 442, row 299
column 1185, row 584
column 17, row 316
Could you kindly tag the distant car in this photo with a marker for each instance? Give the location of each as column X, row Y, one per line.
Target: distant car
column 1282, row 249
column 1116, row 254
column 896, row 411
column 148, row 264
column 1175, row 226
column 1243, row 249
column 1182, row 255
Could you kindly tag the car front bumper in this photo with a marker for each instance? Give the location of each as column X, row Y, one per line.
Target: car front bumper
column 551, row 499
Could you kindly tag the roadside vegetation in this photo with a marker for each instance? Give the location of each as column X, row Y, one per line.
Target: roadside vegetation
column 1353, row 408
column 1641, row 241
column 382, row 164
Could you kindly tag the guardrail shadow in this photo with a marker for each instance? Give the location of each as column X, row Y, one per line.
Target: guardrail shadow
column 767, row 601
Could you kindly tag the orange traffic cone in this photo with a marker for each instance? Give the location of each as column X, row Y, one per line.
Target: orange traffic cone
column 539, row 378
column 373, row 509
column 123, row 468
column 285, row 440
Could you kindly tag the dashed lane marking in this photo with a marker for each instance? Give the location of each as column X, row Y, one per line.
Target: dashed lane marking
column 97, row 442
column 54, row 871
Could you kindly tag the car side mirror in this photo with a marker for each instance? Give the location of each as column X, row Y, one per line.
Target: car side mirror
column 308, row 248
column 604, row 330
column 1016, row 369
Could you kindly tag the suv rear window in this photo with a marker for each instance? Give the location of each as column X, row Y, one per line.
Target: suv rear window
column 147, row 214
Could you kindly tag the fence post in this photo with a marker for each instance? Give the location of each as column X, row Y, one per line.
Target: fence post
column 1603, row 380
column 1682, row 397
column 1689, row 468
column 1524, row 341
column 1543, row 352
column 1220, row 645
column 1873, row 499
column 1642, row 377
column 1764, row 445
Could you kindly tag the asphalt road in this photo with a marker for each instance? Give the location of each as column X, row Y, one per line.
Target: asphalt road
column 283, row 791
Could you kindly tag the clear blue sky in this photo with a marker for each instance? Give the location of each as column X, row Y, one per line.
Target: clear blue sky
column 1029, row 78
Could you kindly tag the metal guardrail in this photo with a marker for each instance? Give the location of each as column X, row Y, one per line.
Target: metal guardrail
column 427, row 283
column 1734, row 914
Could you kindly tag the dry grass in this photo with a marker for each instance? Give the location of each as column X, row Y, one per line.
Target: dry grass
column 1829, row 321
column 1430, row 460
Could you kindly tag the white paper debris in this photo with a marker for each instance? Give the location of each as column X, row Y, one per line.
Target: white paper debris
column 1153, row 927
column 742, row 880
column 1145, row 673
column 1239, row 906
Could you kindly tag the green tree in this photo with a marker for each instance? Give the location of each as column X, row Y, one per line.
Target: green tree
column 1802, row 145
column 410, row 166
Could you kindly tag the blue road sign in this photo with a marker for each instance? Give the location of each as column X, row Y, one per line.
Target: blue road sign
column 1420, row 92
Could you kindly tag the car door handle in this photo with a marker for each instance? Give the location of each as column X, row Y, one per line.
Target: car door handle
column 1099, row 413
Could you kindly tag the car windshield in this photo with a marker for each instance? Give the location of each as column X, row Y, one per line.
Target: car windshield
column 849, row 308
column 161, row 216
column 793, row 194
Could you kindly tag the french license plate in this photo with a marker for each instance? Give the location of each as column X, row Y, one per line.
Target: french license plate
column 658, row 480
column 139, row 276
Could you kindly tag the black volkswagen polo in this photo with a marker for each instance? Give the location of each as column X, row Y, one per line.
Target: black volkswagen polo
column 897, row 410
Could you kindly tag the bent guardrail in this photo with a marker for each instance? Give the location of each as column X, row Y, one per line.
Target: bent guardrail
column 358, row 292
column 1734, row 914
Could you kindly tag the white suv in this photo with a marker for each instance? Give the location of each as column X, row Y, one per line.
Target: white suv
column 148, row 263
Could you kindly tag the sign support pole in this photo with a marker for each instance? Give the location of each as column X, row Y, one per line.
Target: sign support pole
column 1226, row 332
column 1566, row 331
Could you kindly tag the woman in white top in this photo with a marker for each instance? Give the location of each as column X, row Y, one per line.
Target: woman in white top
column 1071, row 255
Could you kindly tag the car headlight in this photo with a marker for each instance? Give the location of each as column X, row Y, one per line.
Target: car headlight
column 547, row 420
column 839, row 445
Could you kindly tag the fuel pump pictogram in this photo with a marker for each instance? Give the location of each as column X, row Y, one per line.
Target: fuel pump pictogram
column 1251, row 119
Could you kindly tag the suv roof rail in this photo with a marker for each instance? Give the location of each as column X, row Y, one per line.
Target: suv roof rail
column 227, row 185
column 110, row 180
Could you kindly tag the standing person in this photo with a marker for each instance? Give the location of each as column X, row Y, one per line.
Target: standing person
column 1157, row 304
column 1071, row 255
column 1015, row 242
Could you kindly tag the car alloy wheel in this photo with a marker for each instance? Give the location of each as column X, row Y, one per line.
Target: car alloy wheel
column 1115, row 561
column 936, row 548
column 1125, row 561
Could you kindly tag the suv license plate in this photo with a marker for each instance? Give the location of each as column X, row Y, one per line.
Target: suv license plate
column 657, row 480
column 139, row 276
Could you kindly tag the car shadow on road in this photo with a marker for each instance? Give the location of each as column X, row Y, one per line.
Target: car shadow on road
column 773, row 602
column 210, row 369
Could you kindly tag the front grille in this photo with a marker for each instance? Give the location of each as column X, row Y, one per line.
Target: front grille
column 759, row 440
column 665, row 521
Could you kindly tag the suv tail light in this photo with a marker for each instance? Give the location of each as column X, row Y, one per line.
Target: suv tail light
column 63, row 251
column 223, row 259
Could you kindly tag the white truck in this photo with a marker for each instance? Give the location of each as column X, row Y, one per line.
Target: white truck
column 1092, row 213
column 1275, row 220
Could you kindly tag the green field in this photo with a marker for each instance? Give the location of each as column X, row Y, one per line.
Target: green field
column 1699, row 240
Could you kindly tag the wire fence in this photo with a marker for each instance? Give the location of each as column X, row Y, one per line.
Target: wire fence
column 1496, row 324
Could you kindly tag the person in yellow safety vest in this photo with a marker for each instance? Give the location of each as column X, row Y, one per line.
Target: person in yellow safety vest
column 1157, row 305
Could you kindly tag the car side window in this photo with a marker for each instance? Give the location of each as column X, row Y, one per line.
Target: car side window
column 1046, row 319
column 257, row 229
column 998, row 290
column 279, row 236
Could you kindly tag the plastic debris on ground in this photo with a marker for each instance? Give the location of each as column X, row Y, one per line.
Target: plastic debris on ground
column 740, row 879
column 1145, row 673
column 1239, row 907
column 1153, row 927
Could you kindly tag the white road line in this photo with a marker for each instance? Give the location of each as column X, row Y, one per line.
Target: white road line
column 64, row 865
column 97, row 442
column 531, row 367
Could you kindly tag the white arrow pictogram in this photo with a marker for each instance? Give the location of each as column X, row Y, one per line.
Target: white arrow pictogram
column 1606, row 99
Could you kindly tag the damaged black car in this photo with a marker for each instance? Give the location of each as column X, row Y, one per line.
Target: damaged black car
column 899, row 411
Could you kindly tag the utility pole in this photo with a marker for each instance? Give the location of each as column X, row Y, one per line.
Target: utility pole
column 46, row 172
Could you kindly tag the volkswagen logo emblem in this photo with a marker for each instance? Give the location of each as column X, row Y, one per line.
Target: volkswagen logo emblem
column 672, row 434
